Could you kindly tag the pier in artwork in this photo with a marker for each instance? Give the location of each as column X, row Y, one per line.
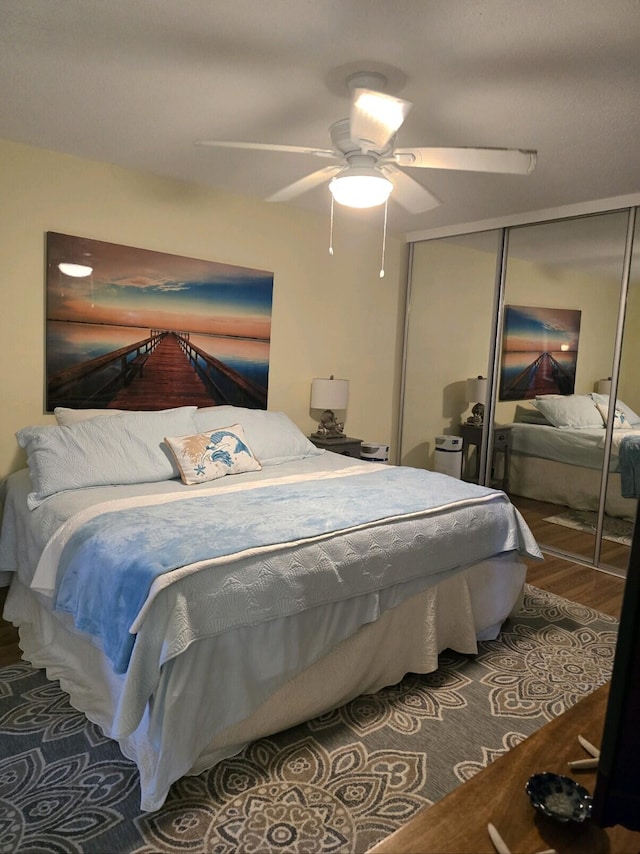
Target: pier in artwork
column 544, row 375
column 161, row 371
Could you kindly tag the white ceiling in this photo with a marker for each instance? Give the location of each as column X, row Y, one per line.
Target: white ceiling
column 136, row 82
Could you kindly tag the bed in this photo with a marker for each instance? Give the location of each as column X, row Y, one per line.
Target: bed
column 197, row 579
column 557, row 453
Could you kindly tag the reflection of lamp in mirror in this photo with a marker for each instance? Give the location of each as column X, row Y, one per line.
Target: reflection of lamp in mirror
column 329, row 395
column 77, row 271
column 604, row 386
column 476, row 391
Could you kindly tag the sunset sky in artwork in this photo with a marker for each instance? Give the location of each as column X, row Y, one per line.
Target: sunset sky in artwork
column 531, row 329
column 143, row 288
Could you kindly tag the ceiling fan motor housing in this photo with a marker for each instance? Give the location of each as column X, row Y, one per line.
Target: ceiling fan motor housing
column 340, row 133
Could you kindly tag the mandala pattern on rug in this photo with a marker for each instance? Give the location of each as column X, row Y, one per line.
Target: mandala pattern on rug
column 58, row 805
column 556, row 610
column 542, row 672
column 45, row 710
column 10, row 674
column 305, row 798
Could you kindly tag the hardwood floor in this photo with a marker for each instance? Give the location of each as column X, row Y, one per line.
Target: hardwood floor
column 615, row 556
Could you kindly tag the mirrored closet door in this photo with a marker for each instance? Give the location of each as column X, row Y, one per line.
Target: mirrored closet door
column 626, row 417
column 548, row 313
column 561, row 302
column 449, row 316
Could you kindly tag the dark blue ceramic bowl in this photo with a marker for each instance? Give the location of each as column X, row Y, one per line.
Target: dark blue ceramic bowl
column 559, row 797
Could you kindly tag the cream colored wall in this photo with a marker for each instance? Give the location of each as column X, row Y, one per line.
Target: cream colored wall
column 449, row 330
column 330, row 314
column 450, row 325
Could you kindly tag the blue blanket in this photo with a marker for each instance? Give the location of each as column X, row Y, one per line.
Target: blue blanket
column 108, row 565
column 629, row 462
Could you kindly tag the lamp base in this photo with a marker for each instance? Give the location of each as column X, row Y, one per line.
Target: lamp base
column 477, row 415
column 329, row 427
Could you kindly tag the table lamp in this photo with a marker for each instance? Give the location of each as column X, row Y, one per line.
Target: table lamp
column 476, row 388
column 329, row 395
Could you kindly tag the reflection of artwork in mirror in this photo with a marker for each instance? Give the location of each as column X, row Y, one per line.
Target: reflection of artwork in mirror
column 539, row 351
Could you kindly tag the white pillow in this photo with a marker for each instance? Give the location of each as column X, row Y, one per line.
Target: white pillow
column 208, row 456
column 620, row 421
column 572, row 410
column 65, row 416
column 529, row 415
column 126, row 448
column 631, row 416
column 272, row 436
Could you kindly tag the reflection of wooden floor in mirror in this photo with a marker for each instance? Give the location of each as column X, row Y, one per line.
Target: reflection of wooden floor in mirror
column 578, row 543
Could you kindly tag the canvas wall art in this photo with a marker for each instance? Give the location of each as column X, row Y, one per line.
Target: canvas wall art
column 130, row 328
column 539, row 351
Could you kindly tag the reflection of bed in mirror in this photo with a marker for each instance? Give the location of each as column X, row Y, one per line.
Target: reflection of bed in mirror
column 536, row 473
column 563, row 464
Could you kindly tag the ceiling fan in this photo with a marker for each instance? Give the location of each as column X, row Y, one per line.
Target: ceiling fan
column 369, row 165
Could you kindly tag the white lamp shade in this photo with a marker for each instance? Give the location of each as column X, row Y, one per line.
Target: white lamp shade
column 476, row 388
column 329, row 394
column 603, row 386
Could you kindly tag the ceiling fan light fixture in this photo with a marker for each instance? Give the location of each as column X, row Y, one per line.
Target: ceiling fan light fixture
column 360, row 187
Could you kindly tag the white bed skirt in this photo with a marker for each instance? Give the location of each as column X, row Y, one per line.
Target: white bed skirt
column 572, row 486
column 471, row 605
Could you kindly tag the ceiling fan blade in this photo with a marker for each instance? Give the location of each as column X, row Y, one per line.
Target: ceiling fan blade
column 266, row 146
column 309, row 182
column 408, row 193
column 513, row 161
column 375, row 117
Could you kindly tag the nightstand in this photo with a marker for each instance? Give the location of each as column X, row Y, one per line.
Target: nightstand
column 472, row 437
column 344, row 445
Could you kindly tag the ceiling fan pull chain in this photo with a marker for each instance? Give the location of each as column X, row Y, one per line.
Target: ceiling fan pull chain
column 384, row 237
column 331, row 230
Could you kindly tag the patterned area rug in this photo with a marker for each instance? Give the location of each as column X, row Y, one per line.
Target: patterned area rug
column 339, row 783
column 616, row 530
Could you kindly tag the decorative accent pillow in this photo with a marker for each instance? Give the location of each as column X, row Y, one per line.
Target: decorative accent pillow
column 631, row 416
column 208, row 456
column 272, row 436
column 620, row 421
column 572, row 410
column 125, row 448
